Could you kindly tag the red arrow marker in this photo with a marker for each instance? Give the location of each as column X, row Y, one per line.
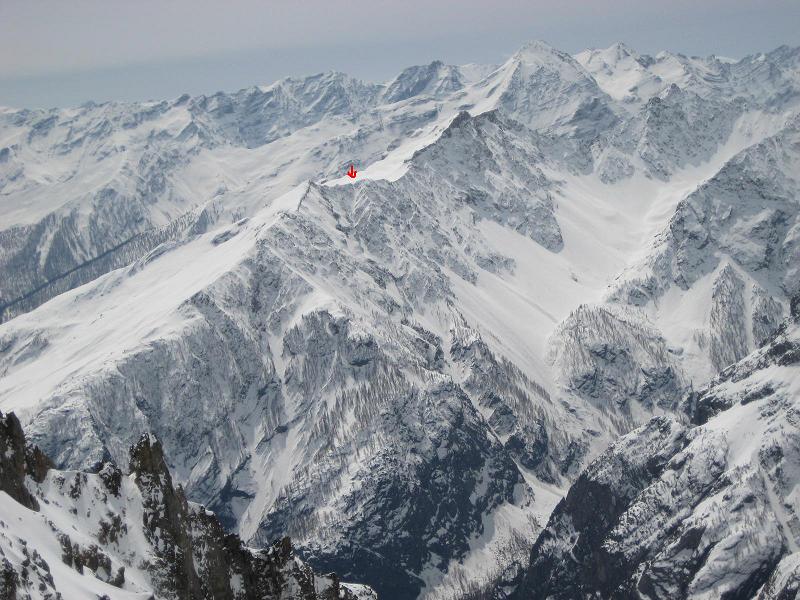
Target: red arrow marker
column 352, row 172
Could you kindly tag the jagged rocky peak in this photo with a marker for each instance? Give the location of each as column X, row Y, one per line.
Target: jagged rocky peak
column 550, row 91
column 147, row 460
column 607, row 59
column 616, row 359
column 327, row 93
column 435, row 79
column 540, row 51
column 620, row 50
column 12, row 461
column 68, row 534
column 732, row 241
column 18, row 461
column 539, row 63
column 473, row 154
column 259, row 115
column 672, row 130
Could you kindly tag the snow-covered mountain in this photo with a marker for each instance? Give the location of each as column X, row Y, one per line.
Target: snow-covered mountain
column 706, row 509
column 71, row 534
column 407, row 371
column 632, row 78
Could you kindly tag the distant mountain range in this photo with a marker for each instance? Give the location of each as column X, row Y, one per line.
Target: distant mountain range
column 543, row 345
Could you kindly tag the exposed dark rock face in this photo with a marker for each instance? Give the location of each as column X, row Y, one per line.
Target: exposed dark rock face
column 452, row 474
column 515, row 402
column 188, row 555
column 77, row 557
column 570, row 559
column 165, row 518
column 17, row 461
column 728, row 332
column 784, row 582
column 616, row 361
column 783, row 350
column 795, row 307
column 677, row 511
column 197, row 558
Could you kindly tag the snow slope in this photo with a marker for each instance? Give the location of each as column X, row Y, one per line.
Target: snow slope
column 406, row 370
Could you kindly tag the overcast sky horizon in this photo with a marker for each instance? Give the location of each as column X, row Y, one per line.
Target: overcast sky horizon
column 55, row 53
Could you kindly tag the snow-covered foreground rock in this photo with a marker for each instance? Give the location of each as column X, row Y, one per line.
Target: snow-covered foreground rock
column 404, row 372
column 72, row 534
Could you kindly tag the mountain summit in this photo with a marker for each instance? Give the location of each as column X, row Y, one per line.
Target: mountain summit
column 541, row 345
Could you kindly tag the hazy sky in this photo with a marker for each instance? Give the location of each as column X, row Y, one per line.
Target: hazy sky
column 64, row 52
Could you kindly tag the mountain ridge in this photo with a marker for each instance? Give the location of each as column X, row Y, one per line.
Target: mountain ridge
column 177, row 549
column 405, row 371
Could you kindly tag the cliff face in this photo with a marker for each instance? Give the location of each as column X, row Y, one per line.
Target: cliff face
column 68, row 534
column 16, row 461
column 682, row 510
